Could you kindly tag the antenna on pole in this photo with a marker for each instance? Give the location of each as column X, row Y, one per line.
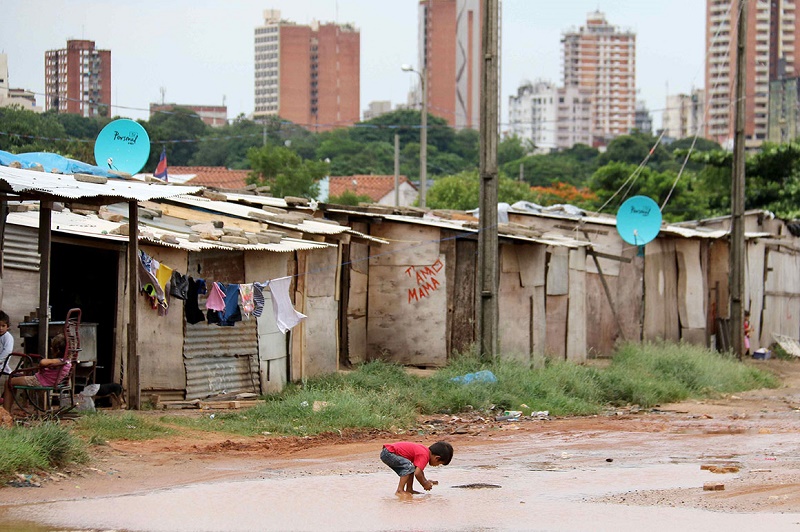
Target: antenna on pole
column 163, row 91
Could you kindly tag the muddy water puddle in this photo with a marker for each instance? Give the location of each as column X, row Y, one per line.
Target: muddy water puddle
column 528, row 485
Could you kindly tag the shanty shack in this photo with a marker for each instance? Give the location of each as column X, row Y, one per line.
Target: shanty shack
column 178, row 359
column 676, row 287
column 413, row 300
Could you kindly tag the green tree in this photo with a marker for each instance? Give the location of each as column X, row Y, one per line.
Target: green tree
column 634, row 148
column 348, row 197
column 180, row 124
column 285, row 172
column 227, row 146
column 26, row 131
column 510, row 149
column 462, row 191
column 622, row 180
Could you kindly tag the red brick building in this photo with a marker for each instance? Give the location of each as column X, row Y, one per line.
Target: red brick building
column 450, row 48
column 77, row 79
column 309, row 75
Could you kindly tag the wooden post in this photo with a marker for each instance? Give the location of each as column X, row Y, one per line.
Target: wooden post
column 737, row 190
column 488, row 273
column 45, row 222
column 396, row 170
column 134, row 391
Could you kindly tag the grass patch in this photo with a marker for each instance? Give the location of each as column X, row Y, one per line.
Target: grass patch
column 379, row 395
column 99, row 427
column 37, row 448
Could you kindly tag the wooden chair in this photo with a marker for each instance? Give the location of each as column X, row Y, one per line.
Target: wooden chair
column 51, row 401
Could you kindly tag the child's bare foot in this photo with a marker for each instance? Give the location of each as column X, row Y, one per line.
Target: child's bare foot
column 403, row 494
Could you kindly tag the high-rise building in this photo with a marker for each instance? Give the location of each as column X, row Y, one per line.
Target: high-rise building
column 532, row 114
column 602, row 58
column 683, row 116
column 772, row 46
column 77, row 79
column 550, row 117
column 309, row 75
column 784, row 110
column 9, row 97
column 450, row 54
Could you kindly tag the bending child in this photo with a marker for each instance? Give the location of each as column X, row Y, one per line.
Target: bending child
column 409, row 459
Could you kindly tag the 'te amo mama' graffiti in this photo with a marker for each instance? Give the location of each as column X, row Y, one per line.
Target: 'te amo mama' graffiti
column 426, row 280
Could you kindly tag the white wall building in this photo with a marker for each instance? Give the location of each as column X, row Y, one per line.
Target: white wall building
column 16, row 97
column 574, row 117
column 683, row 116
column 532, row 114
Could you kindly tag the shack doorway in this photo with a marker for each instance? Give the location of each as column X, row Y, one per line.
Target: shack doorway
column 87, row 277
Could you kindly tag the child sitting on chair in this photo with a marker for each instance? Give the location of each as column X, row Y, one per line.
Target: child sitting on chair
column 49, row 372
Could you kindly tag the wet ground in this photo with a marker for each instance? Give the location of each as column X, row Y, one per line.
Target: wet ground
column 545, row 483
column 623, row 471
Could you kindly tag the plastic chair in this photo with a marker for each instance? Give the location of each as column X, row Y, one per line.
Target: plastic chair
column 39, row 400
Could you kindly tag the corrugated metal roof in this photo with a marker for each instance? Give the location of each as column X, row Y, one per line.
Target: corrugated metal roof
column 549, row 239
column 243, row 211
column 18, row 180
column 94, row 227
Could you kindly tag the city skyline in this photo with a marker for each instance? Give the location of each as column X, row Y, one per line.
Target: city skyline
column 177, row 46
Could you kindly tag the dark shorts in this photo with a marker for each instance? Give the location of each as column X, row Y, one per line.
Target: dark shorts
column 402, row 466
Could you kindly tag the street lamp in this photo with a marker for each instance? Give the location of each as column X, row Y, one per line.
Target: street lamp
column 423, row 141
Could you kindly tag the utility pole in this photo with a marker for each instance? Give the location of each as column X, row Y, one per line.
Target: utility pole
column 737, row 190
column 488, row 273
column 396, row 170
column 423, row 134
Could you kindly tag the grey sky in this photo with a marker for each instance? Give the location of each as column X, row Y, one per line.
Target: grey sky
column 202, row 50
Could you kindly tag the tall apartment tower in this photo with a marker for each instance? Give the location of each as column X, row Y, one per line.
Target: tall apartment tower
column 602, row 58
column 77, row 79
column 683, row 116
column 450, row 53
column 772, row 47
column 309, row 75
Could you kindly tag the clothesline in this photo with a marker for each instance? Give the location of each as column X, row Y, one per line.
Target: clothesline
column 226, row 303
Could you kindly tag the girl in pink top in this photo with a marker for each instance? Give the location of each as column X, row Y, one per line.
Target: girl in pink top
column 49, row 372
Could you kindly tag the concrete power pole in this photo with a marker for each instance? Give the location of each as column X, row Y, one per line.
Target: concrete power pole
column 488, row 273
column 737, row 190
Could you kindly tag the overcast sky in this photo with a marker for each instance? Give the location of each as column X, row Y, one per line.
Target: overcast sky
column 201, row 51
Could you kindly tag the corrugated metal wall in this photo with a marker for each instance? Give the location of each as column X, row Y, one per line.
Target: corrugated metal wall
column 221, row 359
column 21, row 248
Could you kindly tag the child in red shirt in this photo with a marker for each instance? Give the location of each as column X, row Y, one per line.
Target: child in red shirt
column 409, row 459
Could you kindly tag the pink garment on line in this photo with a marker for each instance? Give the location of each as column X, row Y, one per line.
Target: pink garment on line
column 216, row 298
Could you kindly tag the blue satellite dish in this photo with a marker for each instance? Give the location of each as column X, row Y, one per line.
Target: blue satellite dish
column 123, row 145
column 638, row 220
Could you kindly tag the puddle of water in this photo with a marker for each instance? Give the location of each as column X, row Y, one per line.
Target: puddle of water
column 526, row 500
column 530, row 496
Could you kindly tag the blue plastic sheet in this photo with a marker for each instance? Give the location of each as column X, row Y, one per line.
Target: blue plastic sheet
column 479, row 376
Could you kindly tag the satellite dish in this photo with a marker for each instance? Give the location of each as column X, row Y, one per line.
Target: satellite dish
column 123, row 145
column 638, row 220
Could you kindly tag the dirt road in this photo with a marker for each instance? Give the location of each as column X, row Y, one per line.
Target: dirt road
column 746, row 445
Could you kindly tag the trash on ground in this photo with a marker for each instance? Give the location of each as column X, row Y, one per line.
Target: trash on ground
column 479, row 376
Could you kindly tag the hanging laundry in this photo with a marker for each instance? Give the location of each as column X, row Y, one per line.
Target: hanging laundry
column 148, row 284
column 216, row 299
column 285, row 314
column 178, row 285
column 258, row 298
column 192, row 310
column 163, row 275
column 246, row 295
column 146, row 259
column 154, row 266
column 232, row 313
column 201, row 286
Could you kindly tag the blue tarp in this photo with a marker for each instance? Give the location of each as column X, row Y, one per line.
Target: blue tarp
column 53, row 161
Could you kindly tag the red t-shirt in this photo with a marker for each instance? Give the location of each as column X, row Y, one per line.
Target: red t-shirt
column 417, row 453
